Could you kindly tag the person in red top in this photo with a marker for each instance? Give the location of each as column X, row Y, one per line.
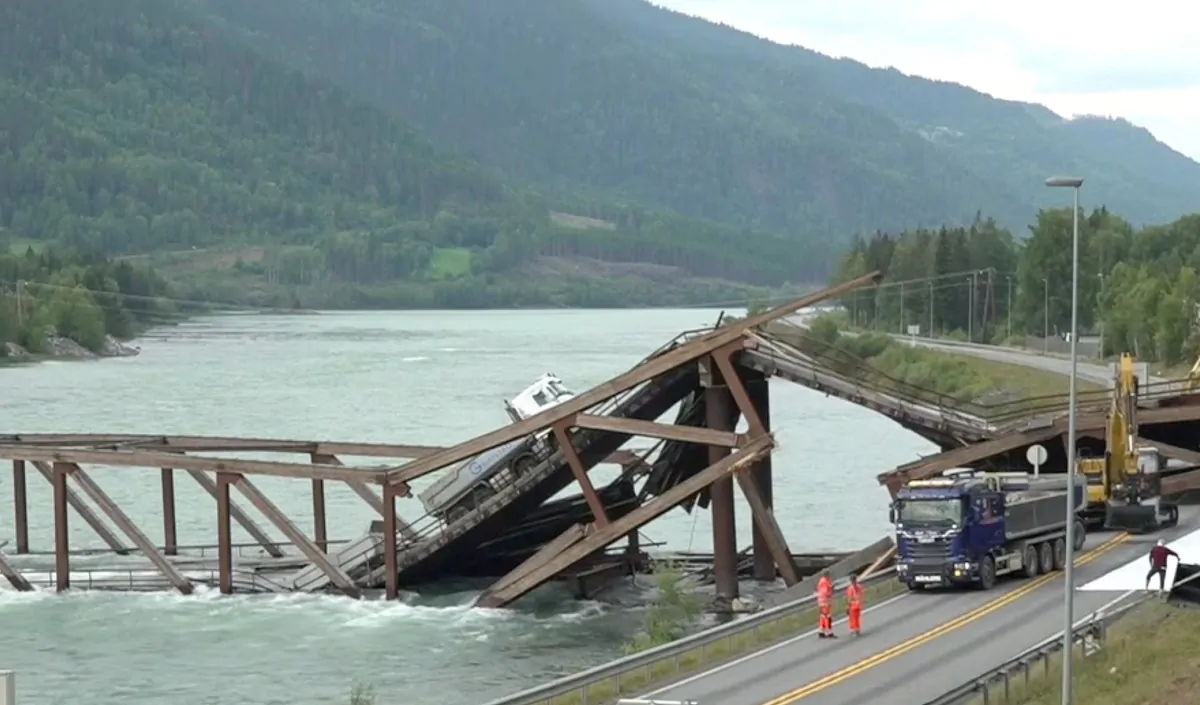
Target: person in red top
column 854, row 602
column 1158, row 564
column 825, row 606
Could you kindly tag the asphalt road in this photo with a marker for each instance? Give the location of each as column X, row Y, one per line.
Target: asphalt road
column 916, row 646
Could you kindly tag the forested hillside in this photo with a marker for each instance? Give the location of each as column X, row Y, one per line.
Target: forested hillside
column 618, row 96
column 140, row 126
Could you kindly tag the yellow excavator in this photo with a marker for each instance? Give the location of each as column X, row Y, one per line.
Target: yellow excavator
column 1125, row 484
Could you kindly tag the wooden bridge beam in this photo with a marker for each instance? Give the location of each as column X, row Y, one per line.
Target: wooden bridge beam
column 20, row 506
column 126, row 525
column 85, row 512
column 653, row 429
column 580, row 471
column 298, row 538
column 213, row 488
column 368, row 495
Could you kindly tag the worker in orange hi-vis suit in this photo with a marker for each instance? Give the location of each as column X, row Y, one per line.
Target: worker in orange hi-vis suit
column 825, row 606
column 854, row 602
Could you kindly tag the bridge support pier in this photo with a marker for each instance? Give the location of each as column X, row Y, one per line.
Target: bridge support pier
column 759, row 388
column 721, row 415
column 20, row 507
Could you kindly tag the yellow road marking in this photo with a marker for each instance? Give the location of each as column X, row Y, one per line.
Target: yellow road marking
column 963, row 620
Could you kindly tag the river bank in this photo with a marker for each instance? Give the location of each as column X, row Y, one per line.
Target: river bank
column 58, row 347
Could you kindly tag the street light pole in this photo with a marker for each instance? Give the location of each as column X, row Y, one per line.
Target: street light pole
column 1068, row 576
column 1100, row 314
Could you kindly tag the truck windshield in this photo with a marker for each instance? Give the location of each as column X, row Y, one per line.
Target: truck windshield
column 930, row 511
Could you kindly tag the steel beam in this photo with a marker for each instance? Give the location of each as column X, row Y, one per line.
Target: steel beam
column 160, row 459
column 579, row 470
column 20, row 507
column 764, row 519
column 85, row 512
column 123, row 522
column 260, row 501
column 652, row 429
column 526, row 577
column 650, row 369
column 270, row 545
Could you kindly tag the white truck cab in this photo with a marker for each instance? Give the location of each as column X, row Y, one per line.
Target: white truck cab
column 467, row 485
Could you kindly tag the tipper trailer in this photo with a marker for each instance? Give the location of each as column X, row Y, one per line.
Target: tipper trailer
column 969, row 528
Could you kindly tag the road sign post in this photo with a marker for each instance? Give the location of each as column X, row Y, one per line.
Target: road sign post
column 1037, row 455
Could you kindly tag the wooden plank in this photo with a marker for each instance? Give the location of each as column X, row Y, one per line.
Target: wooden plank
column 764, row 519
column 160, row 459
column 221, row 444
column 560, row 543
column 1187, row 456
column 126, row 525
column 959, row 457
column 368, row 495
column 298, row 538
column 529, row 575
column 13, row 575
column 579, row 470
column 85, row 512
column 650, row 369
column 652, row 429
column 270, row 545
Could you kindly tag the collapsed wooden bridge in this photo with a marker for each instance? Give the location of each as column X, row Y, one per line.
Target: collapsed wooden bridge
column 515, row 531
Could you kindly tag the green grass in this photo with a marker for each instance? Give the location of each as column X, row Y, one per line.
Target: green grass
column 450, row 262
column 714, row 654
column 20, row 245
column 1151, row 657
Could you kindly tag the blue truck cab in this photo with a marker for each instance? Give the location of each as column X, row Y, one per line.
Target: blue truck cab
column 969, row 528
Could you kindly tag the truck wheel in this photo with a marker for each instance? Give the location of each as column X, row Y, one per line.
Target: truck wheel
column 916, row 587
column 523, row 464
column 481, row 494
column 987, row 573
column 1060, row 554
column 1080, row 536
column 1045, row 557
column 1029, row 561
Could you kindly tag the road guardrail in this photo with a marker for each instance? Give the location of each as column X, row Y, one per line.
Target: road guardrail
column 998, row 685
column 608, row 682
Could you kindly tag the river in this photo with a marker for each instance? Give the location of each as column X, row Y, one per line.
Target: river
column 402, row 377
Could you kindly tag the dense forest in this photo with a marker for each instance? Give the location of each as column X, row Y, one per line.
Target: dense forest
column 1138, row 286
column 139, row 127
column 622, row 97
column 58, row 293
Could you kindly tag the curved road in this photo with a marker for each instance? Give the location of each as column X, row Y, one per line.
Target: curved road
column 916, row 646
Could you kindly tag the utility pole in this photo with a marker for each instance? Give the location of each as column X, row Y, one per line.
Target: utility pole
column 902, row 308
column 930, row 333
column 1046, row 314
column 1008, row 327
column 971, row 309
column 20, row 304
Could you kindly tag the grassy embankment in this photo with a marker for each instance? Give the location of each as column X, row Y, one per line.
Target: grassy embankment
column 890, row 361
column 1151, row 657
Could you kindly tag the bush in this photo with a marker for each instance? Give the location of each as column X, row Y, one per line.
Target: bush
column 673, row 611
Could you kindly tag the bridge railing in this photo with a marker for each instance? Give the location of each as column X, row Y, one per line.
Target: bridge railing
column 631, row 673
column 1011, row 681
column 825, row 357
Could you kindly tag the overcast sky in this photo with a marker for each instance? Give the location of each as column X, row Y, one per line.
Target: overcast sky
column 1139, row 60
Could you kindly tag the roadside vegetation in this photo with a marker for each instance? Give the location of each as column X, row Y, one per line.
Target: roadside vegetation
column 672, row 613
column 1151, row 657
column 888, row 361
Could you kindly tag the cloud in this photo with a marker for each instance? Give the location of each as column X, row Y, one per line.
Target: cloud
column 1140, row 62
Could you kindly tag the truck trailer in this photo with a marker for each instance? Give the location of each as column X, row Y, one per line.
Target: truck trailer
column 968, row 528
